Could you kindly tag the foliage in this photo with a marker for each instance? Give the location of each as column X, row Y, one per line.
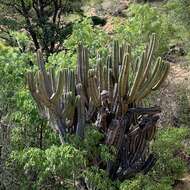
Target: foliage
column 91, row 37
column 62, row 166
column 183, row 114
column 168, row 165
column 17, row 108
column 134, row 184
column 179, row 15
column 145, row 183
column 13, row 66
column 142, row 21
column 16, row 105
column 98, row 178
column 58, row 166
column 18, row 39
column 52, row 168
column 180, row 11
column 44, row 20
column 92, row 145
column 62, row 60
column 83, row 33
column 21, row 40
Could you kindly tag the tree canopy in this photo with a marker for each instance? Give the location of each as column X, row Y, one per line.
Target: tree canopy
column 44, row 20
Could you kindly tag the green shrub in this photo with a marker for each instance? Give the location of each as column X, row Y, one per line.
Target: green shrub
column 52, row 168
column 134, row 184
column 168, row 141
column 16, row 104
column 180, row 11
column 13, row 66
column 98, row 178
column 89, row 36
column 57, row 165
column 183, row 96
column 141, row 22
column 142, row 182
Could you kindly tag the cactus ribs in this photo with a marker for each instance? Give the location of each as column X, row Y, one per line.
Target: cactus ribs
column 108, row 94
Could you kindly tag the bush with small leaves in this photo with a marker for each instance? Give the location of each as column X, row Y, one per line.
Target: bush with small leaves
column 141, row 22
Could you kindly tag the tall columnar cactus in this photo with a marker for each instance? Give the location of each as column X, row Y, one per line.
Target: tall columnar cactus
column 107, row 94
column 54, row 95
column 115, row 89
column 125, row 81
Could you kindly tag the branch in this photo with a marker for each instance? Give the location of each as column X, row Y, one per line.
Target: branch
column 56, row 9
column 55, row 16
column 29, row 25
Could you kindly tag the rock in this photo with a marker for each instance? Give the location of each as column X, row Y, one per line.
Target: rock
column 174, row 51
column 115, row 8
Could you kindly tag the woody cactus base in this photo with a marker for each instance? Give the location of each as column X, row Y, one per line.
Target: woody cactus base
column 108, row 94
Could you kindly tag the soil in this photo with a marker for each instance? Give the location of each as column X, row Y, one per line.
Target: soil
column 184, row 183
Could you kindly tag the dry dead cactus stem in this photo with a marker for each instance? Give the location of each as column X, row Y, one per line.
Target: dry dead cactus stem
column 107, row 94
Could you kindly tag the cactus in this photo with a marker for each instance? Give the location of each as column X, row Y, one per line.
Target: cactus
column 116, row 85
column 113, row 76
column 54, row 95
column 146, row 79
column 108, row 94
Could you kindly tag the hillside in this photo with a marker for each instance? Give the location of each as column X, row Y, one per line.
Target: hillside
column 94, row 95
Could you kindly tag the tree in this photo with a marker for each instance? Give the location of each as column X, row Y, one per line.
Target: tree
column 43, row 19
